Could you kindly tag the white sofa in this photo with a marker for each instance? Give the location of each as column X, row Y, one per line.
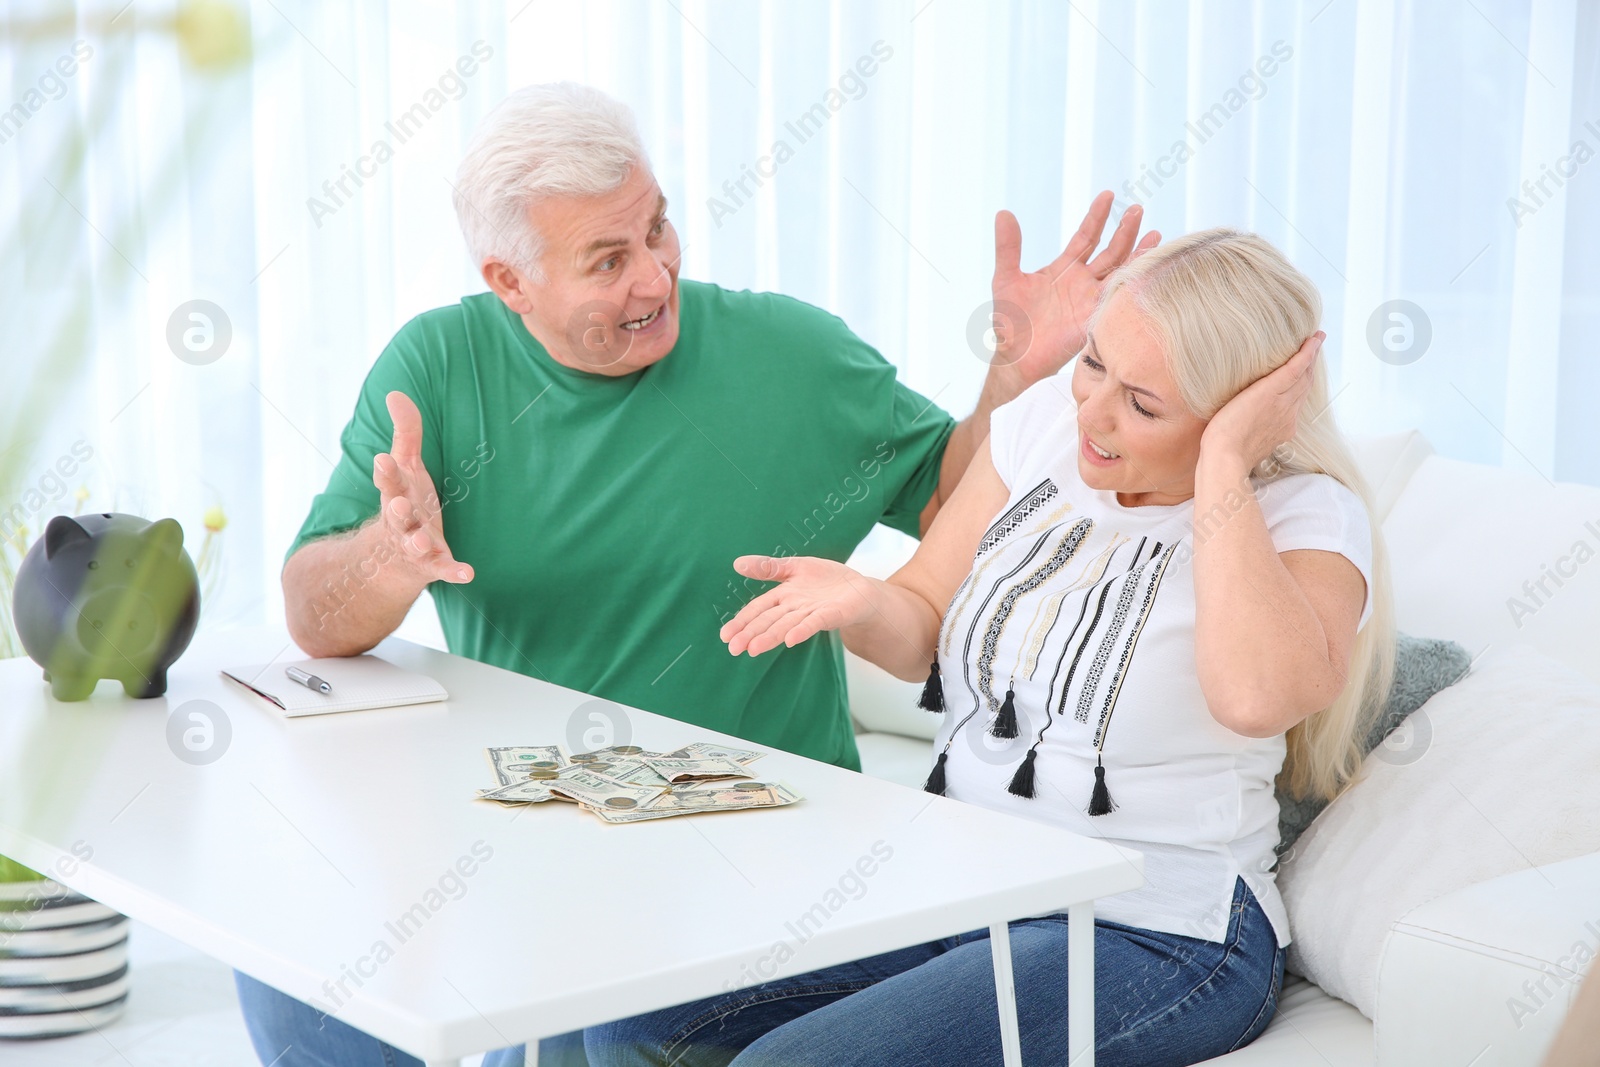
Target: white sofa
column 1463, row 538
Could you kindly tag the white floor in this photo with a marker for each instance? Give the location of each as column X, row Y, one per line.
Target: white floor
column 182, row 1012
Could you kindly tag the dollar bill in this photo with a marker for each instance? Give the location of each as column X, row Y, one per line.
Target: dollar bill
column 707, row 750
column 687, row 770
column 534, row 791
column 531, row 791
column 626, row 780
column 611, row 753
column 516, row 764
column 694, row 799
column 598, row 791
column 633, row 772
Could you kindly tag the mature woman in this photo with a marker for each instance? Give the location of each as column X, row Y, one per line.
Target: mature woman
column 1162, row 583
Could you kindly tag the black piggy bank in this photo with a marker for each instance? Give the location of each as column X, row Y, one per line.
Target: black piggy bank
column 106, row 596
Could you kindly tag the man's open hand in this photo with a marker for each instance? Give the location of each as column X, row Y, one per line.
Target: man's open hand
column 1040, row 318
column 408, row 505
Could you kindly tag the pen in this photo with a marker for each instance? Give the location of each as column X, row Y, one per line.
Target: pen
column 310, row 681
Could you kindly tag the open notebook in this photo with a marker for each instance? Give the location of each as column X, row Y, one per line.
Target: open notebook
column 358, row 682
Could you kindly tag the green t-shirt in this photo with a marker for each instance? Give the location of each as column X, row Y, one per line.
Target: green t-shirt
column 602, row 515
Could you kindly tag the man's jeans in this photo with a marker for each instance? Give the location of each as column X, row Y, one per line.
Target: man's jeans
column 288, row 1033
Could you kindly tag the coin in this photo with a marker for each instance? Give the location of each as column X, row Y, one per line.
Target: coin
column 749, row 787
column 621, row 802
column 545, row 764
column 626, row 750
column 584, row 757
column 543, row 774
column 598, row 766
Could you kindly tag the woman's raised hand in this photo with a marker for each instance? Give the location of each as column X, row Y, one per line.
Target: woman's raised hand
column 1265, row 413
column 815, row 595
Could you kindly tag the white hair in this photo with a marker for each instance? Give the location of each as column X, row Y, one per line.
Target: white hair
column 557, row 139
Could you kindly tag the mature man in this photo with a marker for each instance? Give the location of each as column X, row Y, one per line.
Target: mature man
column 608, row 438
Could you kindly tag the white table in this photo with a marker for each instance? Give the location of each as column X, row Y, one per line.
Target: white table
column 298, row 851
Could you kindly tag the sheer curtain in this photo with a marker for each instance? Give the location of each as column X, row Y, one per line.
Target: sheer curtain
column 1430, row 165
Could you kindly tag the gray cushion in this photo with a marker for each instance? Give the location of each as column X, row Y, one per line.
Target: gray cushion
column 1422, row 667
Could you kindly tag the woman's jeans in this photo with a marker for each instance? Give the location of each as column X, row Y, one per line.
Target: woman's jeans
column 1160, row 999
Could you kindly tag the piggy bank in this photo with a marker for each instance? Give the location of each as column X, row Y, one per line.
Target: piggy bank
column 106, row 596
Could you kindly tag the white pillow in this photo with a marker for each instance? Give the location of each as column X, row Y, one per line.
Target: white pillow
column 1387, row 462
column 884, row 704
column 1495, row 774
column 1490, row 555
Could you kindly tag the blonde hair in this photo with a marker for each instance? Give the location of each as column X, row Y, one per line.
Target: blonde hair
column 1228, row 308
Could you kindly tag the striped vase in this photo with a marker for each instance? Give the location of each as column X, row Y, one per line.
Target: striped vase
column 63, row 961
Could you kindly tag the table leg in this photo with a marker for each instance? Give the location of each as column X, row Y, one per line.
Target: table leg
column 1080, row 984
column 1006, row 992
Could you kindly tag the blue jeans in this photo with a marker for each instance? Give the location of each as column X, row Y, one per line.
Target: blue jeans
column 1161, row 1000
column 288, row 1033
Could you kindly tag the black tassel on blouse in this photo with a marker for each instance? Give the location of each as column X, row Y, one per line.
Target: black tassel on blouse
column 1100, row 802
column 932, row 698
column 935, row 782
column 1022, row 782
column 1005, row 724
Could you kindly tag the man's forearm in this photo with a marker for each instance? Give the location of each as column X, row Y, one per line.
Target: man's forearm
column 345, row 593
column 1000, row 386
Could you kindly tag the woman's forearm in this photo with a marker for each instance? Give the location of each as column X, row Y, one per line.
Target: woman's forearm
column 1260, row 649
column 899, row 633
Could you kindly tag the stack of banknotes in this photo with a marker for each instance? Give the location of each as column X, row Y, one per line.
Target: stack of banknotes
column 625, row 783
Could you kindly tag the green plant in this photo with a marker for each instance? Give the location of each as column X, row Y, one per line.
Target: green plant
column 12, row 871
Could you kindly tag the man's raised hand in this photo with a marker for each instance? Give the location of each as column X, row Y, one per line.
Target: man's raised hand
column 1040, row 317
column 408, row 505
